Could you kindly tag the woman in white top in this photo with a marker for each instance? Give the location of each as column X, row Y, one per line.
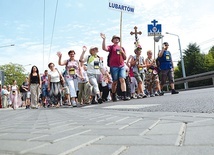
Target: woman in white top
column 15, row 95
column 54, row 85
column 94, row 70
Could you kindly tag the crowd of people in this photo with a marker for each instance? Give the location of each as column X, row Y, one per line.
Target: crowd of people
column 86, row 80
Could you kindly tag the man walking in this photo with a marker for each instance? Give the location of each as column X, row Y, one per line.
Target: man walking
column 116, row 58
column 167, row 68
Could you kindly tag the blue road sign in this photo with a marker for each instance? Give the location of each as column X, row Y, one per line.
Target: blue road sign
column 154, row 29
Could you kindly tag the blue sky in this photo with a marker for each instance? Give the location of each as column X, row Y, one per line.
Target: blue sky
column 79, row 22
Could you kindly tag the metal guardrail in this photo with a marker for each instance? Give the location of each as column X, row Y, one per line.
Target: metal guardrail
column 197, row 77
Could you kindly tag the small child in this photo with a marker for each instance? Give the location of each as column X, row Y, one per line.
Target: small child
column 4, row 94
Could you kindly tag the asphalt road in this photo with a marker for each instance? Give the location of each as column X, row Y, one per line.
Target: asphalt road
column 194, row 101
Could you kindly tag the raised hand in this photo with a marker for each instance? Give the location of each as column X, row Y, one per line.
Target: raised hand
column 59, row 54
column 102, row 35
column 84, row 48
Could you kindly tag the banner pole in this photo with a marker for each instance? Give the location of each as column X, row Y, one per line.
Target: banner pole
column 121, row 16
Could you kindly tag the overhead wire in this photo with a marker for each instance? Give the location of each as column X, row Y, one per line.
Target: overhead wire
column 53, row 30
column 44, row 36
column 207, row 41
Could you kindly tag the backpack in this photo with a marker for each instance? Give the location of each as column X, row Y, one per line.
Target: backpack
column 109, row 55
column 89, row 57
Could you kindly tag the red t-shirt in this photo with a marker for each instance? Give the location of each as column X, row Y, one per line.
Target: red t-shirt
column 131, row 73
column 115, row 59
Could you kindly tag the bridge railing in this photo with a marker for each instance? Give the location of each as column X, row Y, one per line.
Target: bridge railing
column 197, row 77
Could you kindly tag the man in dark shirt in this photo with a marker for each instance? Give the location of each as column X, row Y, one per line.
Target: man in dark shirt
column 167, row 68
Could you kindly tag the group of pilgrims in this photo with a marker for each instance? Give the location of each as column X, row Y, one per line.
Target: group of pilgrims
column 88, row 81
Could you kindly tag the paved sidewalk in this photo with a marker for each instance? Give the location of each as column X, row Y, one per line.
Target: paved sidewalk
column 91, row 131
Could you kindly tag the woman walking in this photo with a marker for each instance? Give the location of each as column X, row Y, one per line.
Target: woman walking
column 34, row 85
column 15, row 95
column 72, row 68
column 54, row 85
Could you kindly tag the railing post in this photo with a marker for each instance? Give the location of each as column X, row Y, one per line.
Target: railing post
column 213, row 80
column 186, row 83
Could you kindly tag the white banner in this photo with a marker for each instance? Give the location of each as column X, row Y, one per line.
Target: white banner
column 121, row 7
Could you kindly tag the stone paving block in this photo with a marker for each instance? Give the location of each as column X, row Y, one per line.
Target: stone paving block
column 61, row 136
column 200, row 135
column 17, row 146
column 115, row 132
column 57, row 129
column 169, row 150
column 62, row 146
column 19, row 136
column 139, row 140
column 143, row 124
column 170, row 128
column 182, row 118
column 19, row 130
column 97, row 150
column 101, row 126
column 205, row 122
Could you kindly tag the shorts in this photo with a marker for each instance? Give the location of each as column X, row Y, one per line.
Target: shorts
column 151, row 78
column 139, row 77
column 66, row 90
column 28, row 95
column 45, row 92
column 118, row 72
column 164, row 74
column 24, row 96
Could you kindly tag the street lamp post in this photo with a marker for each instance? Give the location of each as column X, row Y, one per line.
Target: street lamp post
column 157, row 40
column 182, row 60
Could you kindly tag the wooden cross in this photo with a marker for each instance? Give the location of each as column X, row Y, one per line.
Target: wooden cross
column 136, row 33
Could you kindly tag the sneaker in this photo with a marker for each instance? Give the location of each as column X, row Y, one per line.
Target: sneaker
column 100, row 100
column 161, row 93
column 156, row 94
column 125, row 98
column 134, row 96
column 94, row 102
column 139, row 96
column 174, row 91
column 114, row 98
column 74, row 104
column 152, row 95
column 144, row 95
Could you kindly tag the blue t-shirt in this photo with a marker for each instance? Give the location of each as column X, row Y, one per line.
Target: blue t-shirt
column 166, row 61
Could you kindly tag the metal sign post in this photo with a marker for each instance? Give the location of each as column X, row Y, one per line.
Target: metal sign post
column 154, row 30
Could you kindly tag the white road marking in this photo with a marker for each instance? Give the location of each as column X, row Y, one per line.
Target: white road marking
column 150, row 128
column 89, row 106
column 81, row 146
column 117, row 121
column 130, row 106
column 120, row 150
column 181, row 135
column 125, row 126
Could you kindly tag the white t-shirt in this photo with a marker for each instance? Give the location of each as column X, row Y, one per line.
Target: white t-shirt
column 54, row 76
column 92, row 67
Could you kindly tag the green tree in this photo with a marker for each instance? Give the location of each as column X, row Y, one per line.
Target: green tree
column 13, row 72
column 194, row 60
column 209, row 60
column 196, row 63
